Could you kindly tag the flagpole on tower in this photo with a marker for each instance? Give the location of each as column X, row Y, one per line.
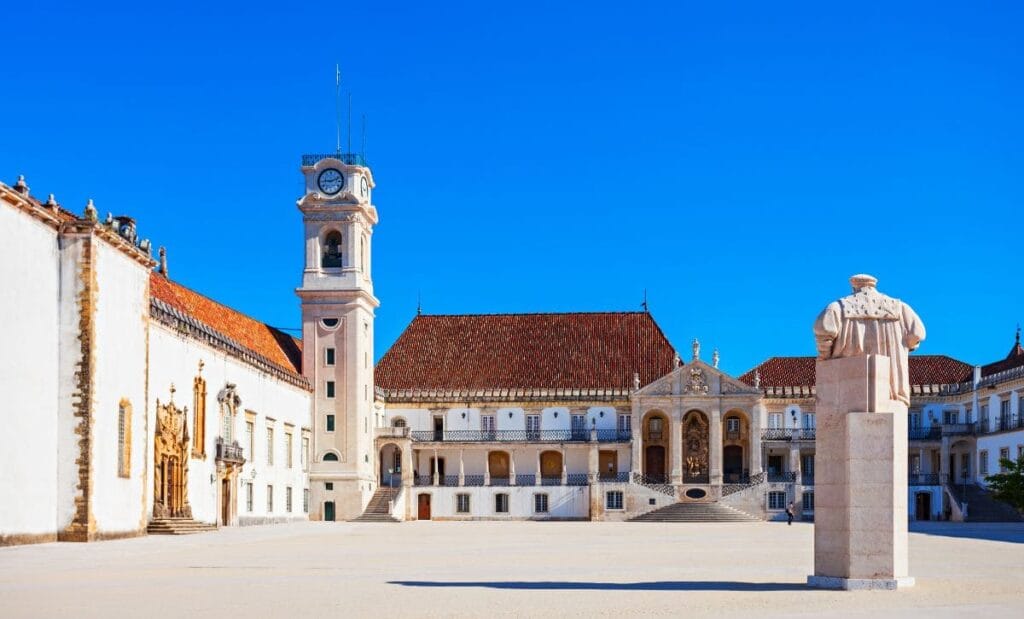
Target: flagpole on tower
column 337, row 104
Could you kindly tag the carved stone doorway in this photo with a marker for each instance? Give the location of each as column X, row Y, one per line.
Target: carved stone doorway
column 170, row 453
column 695, row 448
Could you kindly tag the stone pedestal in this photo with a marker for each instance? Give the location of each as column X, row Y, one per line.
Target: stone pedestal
column 860, row 496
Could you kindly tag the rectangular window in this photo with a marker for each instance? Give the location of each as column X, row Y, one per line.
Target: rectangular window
column 305, row 501
column 983, row 462
column 270, row 446
column 1020, row 452
column 124, row 441
column 1004, row 407
column 330, row 388
column 501, row 503
column 305, row 452
column 540, row 503
column 533, row 426
column 487, row 424
column 329, row 485
column 579, row 425
column 250, row 440
column 776, row 500
column 270, row 499
column 625, row 423
column 732, row 424
column 288, row 499
column 1004, row 454
column 984, row 414
column 330, row 423
column 965, row 465
column 915, row 420
column 775, row 421
column 809, row 421
column 951, row 417
column 809, row 501
column 329, row 356
column 288, row 444
column 462, row 503
column 613, row 500
column 654, row 428
column 248, row 496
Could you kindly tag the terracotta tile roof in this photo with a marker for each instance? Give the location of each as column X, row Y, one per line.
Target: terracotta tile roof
column 799, row 371
column 529, row 351
column 1014, row 359
column 277, row 347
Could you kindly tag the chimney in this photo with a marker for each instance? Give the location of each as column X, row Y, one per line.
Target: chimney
column 163, row 261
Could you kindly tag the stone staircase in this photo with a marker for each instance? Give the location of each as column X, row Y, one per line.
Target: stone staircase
column 981, row 506
column 379, row 507
column 696, row 512
column 178, row 526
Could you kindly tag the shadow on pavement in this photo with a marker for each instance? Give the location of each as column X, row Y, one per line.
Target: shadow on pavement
column 711, row 585
column 1012, row 532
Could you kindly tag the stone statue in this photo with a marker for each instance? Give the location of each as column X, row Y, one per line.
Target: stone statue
column 696, row 349
column 714, row 358
column 870, row 323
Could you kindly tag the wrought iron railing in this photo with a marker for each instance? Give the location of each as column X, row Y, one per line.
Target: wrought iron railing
column 959, row 429
column 229, row 452
column 522, row 436
column 473, row 480
column 526, row 479
column 448, row 480
column 1008, row 422
column 551, row 481
column 500, row 481
column 423, row 480
column 619, row 477
column 807, row 479
column 577, row 479
column 923, row 479
column 346, row 158
column 924, row 434
column 657, row 483
column 787, row 477
column 788, row 434
column 751, row 481
column 702, row 478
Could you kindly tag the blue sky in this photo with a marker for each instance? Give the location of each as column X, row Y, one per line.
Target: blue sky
column 738, row 161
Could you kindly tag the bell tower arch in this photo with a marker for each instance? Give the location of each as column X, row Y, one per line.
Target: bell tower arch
column 338, row 307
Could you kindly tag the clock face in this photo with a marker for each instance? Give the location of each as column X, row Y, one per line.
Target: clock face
column 330, row 181
column 364, row 187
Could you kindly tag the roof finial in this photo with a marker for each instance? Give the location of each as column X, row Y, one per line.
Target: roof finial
column 636, row 381
column 757, row 378
column 163, row 262
column 696, row 349
column 21, row 186
column 714, row 358
column 90, row 211
column 419, row 303
column 51, row 202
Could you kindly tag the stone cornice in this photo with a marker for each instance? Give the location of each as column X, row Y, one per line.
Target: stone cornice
column 457, row 398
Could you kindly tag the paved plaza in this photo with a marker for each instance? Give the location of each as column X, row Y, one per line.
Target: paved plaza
column 441, row 569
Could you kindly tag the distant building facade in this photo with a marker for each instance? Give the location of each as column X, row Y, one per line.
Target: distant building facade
column 135, row 404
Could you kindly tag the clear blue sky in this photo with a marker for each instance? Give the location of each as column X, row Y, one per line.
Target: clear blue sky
column 739, row 162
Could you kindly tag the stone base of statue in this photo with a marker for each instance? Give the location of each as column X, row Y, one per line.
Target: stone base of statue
column 860, row 494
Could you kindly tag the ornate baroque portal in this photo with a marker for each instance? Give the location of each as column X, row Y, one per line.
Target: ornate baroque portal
column 695, row 448
column 170, row 453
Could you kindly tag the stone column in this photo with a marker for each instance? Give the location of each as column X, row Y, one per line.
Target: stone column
column 860, row 529
column 715, row 446
column 435, row 471
column 593, row 463
column 636, row 441
column 512, row 466
column 675, row 430
column 487, row 468
column 755, row 439
column 944, row 472
column 462, row 469
column 565, row 472
column 540, row 471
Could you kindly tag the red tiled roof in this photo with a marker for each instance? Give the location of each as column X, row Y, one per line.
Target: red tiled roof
column 533, row 351
column 799, row 371
column 1013, row 360
column 275, row 346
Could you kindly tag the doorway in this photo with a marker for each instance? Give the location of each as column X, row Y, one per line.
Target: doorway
column 440, row 470
column 551, row 465
column 225, row 502
column 438, row 428
column 774, row 465
column 654, row 464
column 423, row 507
column 732, row 463
column 608, row 464
column 497, row 465
column 329, row 511
column 923, row 506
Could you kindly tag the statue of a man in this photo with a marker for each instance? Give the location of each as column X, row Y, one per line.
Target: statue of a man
column 869, row 323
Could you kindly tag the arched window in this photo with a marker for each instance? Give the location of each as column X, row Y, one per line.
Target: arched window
column 330, row 457
column 332, row 250
column 398, row 423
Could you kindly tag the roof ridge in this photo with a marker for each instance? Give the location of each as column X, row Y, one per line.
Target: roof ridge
column 153, row 273
column 583, row 313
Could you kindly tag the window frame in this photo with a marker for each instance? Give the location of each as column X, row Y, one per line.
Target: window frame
column 499, row 498
column 774, row 494
column 614, row 500
column 462, row 503
column 270, row 498
column 330, row 389
column 541, row 499
column 330, row 356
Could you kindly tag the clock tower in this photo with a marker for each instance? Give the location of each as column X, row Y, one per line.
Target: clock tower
column 337, row 331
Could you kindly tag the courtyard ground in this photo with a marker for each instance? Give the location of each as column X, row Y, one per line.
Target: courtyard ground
column 442, row 569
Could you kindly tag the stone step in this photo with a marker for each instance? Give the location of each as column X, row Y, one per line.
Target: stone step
column 696, row 512
column 178, row 526
column 379, row 507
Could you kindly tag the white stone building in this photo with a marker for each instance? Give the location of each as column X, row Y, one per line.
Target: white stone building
column 133, row 403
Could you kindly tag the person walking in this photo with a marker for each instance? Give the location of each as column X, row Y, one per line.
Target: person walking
column 789, row 514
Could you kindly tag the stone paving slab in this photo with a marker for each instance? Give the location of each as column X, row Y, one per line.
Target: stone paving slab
column 445, row 569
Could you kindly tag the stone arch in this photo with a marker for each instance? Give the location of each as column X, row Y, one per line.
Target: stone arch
column 656, row 440
column 551, row 464
column 499, row 464
column 399, row 422
column 332, row 249
column 170, row 460
column 390, row 465
column 330, row 456
column 696, row 447
column 736, row 445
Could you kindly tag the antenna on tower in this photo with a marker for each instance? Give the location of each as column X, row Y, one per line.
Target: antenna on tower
column 419, row 303
column 337, row 104
column 350, row 121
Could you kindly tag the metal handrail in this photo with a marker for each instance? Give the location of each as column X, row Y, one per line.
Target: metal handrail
column 782, row 477
column 789, row 434
column 346, row 158
column 530, row 436
column 923, row 479
column 577, row 479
